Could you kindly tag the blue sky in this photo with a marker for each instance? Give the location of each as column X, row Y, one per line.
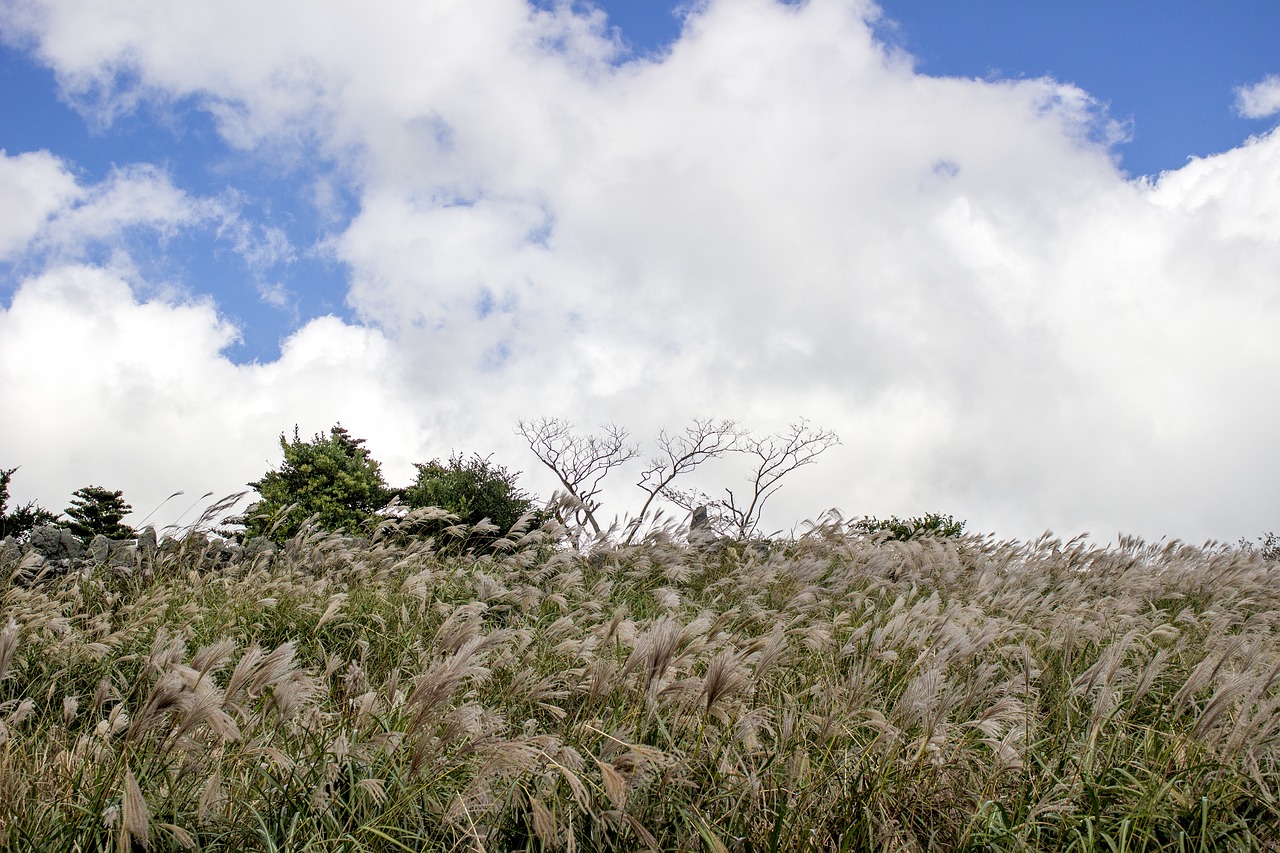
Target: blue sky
column 1005, row 184
column 184, row 141
column 1169, row 69
column 1168, row 76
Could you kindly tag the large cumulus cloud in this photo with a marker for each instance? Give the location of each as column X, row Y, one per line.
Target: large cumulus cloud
column 778, row 217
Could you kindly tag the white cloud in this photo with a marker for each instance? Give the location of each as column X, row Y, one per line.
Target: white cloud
column 102, row 388
column 138, row 196
column 47, row 211
column 275, row 294
column 778, row 218
column 1261, row 99
column 34, row 185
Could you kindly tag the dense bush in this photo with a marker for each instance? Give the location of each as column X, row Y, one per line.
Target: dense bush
column 903, row 529
column 332, row 479
column 474, row 489
column 335, row 482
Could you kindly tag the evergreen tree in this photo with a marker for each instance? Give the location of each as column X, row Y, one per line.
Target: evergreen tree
column 330, row 477
column 474, row 489
column 97, row 511
column 22, row 519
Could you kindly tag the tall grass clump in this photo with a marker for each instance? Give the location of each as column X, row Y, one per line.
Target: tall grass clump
column 844, row 690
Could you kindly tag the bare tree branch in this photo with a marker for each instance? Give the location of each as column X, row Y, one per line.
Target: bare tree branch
column 701, row 440
column 777, row 456
column 579, row 461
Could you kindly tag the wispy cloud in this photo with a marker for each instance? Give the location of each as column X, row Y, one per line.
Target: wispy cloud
column 49, row 214
column 1259, row 100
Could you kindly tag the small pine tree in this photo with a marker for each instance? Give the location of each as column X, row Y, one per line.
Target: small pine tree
column 330, row 477
column 22, row 519
column 97, row 511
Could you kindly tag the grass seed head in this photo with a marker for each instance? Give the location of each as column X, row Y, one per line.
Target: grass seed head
column 725, row 677
column 616, row 784
column 8, row 644
column 135, row 817
column 544, row 823
column 213, row 657
column 211, row 797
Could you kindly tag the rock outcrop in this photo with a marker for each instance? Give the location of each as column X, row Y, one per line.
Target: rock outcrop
column 51, row 551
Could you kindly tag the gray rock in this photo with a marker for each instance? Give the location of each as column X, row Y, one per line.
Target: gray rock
column 701, row 532
column 147, row 543
column 32, row 562
column 216, row 553
column 256, row 546
column 115, row 552
column 56, row 543
column 122, row 553
column 10, row 552
column 35, row 567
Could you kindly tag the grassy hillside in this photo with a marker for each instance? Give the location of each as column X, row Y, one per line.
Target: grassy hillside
column 836, row 692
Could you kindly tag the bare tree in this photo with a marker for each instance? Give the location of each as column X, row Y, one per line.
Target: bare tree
column 681, row 453
column 579, row 461
column 776, row 457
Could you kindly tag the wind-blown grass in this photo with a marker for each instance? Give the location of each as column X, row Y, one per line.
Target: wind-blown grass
column 836, row 692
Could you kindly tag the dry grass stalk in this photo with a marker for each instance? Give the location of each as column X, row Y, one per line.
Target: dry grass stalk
column 135, row 821
column 8, row 644
column 927, row 677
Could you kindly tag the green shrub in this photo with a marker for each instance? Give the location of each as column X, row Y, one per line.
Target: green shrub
column 903, row 529
column 473, row 488
column 330, row 477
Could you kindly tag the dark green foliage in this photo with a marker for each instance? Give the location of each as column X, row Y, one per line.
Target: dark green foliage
column 902, row 529
column 97, row 511
column 472, row 488
column 19, row 522
column 330, row 477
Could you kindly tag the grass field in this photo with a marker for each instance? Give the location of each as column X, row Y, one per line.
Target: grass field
column 835, row 692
